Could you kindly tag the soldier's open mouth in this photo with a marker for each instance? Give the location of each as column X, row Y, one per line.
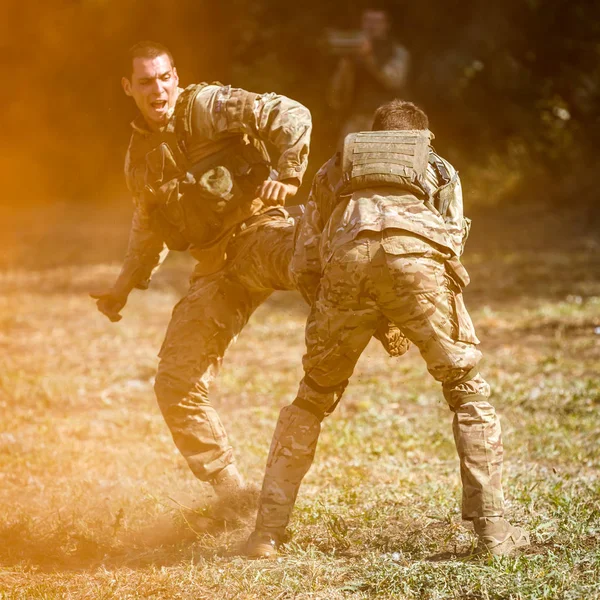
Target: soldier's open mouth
column 158, row 104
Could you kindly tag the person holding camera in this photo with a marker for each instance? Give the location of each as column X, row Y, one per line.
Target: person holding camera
column 372, row 70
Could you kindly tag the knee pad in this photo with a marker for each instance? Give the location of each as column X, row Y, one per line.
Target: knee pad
column 470, row 387
column 319, row 400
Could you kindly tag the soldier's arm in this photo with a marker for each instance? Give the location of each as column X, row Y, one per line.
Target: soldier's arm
column 449, row 199
column 145, row 252
column 457, row 225
column 276, row 119
column 306, row 260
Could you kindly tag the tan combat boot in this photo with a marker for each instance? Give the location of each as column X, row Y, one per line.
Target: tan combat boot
column 498, row 537
column 290, row 457
column 228, row 482
column 261, row 544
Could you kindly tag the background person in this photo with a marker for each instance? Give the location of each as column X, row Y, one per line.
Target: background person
column 375, row 73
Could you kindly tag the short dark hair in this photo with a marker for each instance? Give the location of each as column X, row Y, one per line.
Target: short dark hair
column 399, row 114
column 147, row 49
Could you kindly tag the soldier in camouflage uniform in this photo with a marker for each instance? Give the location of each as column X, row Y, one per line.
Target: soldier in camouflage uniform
column 382, row 235
column 201, row 181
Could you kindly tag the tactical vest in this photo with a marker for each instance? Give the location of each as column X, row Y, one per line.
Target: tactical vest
column 386, row 158
column 399, row 159
column 196, row 190
column 448, row 202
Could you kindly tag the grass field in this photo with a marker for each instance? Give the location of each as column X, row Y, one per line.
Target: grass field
column 96, row 503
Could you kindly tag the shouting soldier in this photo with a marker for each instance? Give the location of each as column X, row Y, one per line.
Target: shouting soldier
column 201, row 181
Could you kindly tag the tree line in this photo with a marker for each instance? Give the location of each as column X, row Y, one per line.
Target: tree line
column 512, row 88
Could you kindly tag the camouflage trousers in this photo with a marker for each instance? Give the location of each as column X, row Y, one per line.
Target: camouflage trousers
column 408, row 281
column 203, row 325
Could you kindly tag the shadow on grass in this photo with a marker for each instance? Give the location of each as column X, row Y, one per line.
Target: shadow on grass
column 464, row 555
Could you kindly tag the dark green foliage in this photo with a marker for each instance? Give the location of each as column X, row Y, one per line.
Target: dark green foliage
column 515, row 82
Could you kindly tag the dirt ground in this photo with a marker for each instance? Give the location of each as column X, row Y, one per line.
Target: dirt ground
column 95, row 501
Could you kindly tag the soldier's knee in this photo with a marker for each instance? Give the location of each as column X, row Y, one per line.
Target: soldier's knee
column 471, row 387
column 451, row 362
column 317, row 399
column 173, row 386
column 477, row 411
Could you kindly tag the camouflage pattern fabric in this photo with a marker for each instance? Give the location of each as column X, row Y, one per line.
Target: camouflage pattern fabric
column 329, row 221
column 219, row 113
column 204, row 323
column 290, row 457
column 391, row 338
column 403, row 278
column 247, row 259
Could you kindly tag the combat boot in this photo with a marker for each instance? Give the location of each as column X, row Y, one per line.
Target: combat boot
column 261, row 544
column 498, row 537
column 228, row 482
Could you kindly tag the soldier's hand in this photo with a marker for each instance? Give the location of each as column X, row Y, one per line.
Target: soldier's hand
column 109, row 303
column 392, row 339
column 276, row 192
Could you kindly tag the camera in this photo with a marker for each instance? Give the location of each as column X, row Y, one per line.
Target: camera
column 343, row 42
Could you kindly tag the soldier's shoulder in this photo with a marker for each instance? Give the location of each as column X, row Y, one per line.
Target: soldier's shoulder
column 449, row 166
column 330, row 173
column 200, row 93
column 218, row 98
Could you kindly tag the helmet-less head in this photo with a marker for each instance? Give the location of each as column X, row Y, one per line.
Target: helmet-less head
column 375, row 24
column 152, row 83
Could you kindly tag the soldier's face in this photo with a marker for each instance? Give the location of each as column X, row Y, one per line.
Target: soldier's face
column 375, row 24
column 153, row 86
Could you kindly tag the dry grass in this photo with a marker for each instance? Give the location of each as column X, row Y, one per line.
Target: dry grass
column 94, row 497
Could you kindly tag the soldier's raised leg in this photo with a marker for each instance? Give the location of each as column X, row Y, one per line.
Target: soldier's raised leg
column 203, row 325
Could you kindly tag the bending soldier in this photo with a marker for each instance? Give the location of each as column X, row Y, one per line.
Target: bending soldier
column 382, row 233
column 200, row 177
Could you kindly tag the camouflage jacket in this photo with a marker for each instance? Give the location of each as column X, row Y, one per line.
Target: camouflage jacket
column 218, row 113
column 329, row 221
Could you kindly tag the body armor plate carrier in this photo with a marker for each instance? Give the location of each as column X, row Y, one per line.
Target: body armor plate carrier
column 199, row 190
column 386, row 158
